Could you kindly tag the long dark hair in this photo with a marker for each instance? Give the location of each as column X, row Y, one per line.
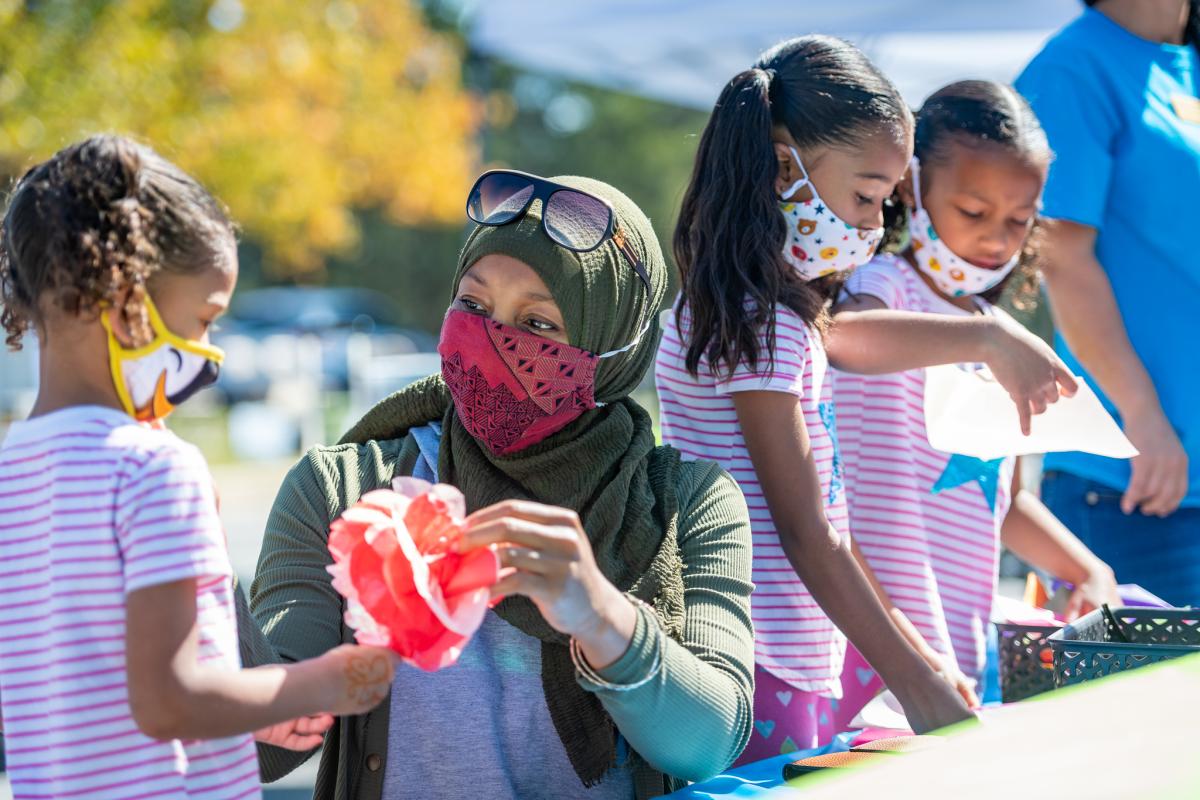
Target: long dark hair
column 100, row 216
column 729, row 239
column 977, row 114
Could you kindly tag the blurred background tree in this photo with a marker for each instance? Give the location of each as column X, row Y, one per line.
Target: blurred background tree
column 294, row 112
column 342, row 135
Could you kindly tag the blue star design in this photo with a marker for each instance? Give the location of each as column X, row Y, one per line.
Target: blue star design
column 829, row 420
column 962, row 469
column 819, row 209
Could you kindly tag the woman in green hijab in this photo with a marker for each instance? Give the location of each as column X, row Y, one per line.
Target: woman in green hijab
column 620, row 663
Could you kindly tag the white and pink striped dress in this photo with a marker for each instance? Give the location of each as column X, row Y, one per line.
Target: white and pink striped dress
column 94, row 506
column 936, row 553
column 794, row 640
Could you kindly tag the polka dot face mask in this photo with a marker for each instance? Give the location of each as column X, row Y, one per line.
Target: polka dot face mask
column 819, row 243
column 952, row 275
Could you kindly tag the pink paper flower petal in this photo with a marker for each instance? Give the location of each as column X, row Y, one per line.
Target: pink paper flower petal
column 405, row 584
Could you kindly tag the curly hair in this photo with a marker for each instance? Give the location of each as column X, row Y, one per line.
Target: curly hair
column 729, row 239
column 976, row 113
column 96, row 219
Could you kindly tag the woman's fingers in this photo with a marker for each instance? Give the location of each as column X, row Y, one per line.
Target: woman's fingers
column 523, row 583
column 511, row 530
column 1165, row 490
column 1140, row 488
column 526, row 510
column 313, row 724
column 529, row 560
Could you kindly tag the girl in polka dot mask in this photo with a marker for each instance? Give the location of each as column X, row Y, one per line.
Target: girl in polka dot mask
column 790, row 191
column 972, row 193
column 930, row 523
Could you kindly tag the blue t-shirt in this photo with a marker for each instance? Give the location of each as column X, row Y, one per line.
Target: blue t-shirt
column 1127, row 164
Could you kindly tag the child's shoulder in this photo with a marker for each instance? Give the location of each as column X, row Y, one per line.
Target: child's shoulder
column 791, row 327
column 887, row 276
column 887, row 265
column 158, row 448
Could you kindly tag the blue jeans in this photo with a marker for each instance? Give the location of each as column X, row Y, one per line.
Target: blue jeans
column 1162, row 555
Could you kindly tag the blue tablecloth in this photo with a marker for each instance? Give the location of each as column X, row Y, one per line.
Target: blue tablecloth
column 754, row 780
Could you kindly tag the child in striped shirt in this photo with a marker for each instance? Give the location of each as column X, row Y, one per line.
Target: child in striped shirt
column 119, row 664
column 929, row 523
column 787, row 191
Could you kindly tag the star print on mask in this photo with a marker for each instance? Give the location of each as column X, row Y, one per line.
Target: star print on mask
column 812, row 227
column 962, row 469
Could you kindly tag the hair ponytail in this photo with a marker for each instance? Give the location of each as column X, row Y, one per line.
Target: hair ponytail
column 729, row 239
column 728, row 225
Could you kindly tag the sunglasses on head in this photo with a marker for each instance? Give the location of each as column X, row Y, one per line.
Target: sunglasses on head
column 573, row 219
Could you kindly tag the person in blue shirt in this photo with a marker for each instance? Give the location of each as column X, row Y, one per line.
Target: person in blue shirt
column 1116, row 91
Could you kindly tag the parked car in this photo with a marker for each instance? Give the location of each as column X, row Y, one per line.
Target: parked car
column 266, row 335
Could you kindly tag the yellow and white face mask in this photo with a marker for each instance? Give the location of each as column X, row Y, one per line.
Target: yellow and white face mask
column 152, row 380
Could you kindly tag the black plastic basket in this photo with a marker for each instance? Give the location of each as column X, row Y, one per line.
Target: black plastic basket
column 1025, row 665
column 1091, row 648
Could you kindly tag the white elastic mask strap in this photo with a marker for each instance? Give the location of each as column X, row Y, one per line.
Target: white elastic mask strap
column 627, row 347
column 632, row 344
column 791, row 191
column 915, row 167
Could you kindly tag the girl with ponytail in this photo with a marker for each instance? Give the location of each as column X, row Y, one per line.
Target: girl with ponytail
column 787, row 195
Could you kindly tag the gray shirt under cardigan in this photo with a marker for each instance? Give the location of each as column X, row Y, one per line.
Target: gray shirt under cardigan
column 494, row 695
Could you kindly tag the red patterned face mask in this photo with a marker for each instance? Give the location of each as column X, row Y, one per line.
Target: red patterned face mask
column 512, row 388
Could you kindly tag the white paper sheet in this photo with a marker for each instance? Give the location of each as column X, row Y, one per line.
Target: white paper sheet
column 884, row 711
column 967, row 412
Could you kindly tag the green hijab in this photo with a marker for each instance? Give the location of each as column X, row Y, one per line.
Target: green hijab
column 604, row 465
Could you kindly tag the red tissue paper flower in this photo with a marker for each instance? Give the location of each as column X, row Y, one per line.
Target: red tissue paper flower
column 406, row 586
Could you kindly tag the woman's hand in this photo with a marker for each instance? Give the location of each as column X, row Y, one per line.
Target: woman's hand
column 545, row 555
column 1159, row 479
column 1026, row 367
column 302, row 734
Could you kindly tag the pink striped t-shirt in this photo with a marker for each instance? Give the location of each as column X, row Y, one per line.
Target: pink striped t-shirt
column 928, row 522
column 793, row 639
column 94, row 506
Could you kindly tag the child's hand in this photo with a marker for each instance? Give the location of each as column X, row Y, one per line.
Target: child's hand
column 930, row 703
column 357, row 677
column 1027, row 368
column 302, row 734
column 948, row 669
column 1098, row 588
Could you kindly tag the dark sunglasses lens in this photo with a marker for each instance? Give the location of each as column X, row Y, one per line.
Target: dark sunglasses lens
column 498, row 198
column 575, row 220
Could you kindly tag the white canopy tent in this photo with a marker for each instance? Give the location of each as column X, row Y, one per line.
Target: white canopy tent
column 684, row 52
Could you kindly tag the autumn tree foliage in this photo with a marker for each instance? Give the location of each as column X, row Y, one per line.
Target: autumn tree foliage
column 294, row 112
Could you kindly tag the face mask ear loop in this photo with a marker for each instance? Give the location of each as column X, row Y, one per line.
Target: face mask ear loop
column 915, row 167
column 795, row 187
column 627, row 347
